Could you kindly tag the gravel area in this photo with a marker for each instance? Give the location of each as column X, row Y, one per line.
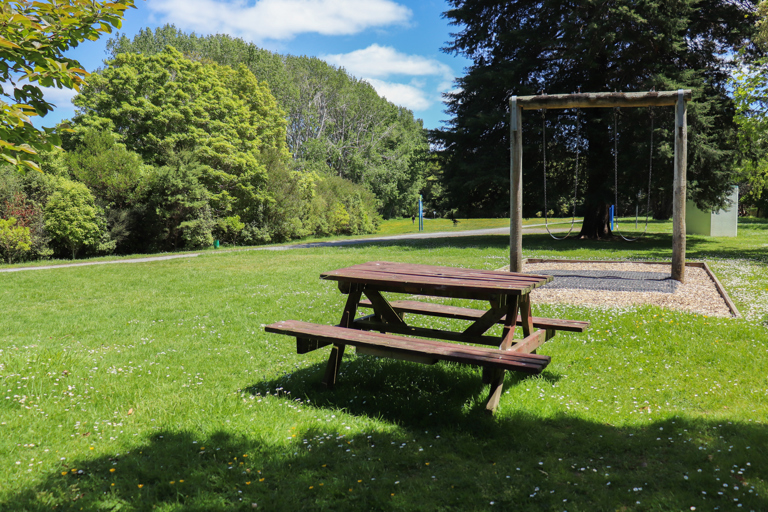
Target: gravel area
column 697, row 295
column 611, row 280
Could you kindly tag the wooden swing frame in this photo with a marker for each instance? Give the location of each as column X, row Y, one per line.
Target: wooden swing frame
column 677, row 99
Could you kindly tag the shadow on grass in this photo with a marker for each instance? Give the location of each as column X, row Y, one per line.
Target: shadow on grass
column 446, row 454
column 655, row 246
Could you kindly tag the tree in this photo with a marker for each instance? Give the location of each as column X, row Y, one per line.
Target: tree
column 526, row 47
column 750, row 92
column 112, row 172
column 71, row 217
column 164, row 104
column 761, row 38
column 179, row 204
column 14, row 239
column 33, row 39
column 336, row 124
column 229, row 228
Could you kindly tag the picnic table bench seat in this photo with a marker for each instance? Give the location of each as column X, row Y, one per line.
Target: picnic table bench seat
column 460, row 313
column 311, row 335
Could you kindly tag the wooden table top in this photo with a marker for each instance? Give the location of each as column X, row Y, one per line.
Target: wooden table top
column 432, row 280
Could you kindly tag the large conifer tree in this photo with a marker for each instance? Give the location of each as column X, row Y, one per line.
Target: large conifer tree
column 526, row 47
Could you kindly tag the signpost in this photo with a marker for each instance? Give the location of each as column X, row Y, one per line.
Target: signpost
column 421, row 215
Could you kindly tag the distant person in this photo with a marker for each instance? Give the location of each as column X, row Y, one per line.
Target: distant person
column 413, row 219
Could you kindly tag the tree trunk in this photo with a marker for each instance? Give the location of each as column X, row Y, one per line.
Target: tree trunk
column 596, row 223
column 598, row 194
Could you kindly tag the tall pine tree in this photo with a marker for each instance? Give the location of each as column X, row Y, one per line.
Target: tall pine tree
column 527, row 47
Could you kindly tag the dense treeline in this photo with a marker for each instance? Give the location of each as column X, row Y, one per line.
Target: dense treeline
column 555, row 46
column 750, row 91
column 335, row 123
column 171, row 150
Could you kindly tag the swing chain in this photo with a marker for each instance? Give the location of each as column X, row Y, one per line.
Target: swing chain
column 617, row 111
column 544, row 158
column 615, row 158
column 576, row 177
column 650, row 173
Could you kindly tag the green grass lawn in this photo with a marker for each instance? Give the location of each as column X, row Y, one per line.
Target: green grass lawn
column 153, row 387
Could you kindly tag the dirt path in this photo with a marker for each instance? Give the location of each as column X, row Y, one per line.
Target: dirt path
column 335, row 243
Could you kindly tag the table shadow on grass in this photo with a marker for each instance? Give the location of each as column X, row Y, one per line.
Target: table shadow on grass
column 515, row 461
column 408, row 394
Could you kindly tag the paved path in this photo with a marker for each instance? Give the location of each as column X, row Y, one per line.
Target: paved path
column 335, row 243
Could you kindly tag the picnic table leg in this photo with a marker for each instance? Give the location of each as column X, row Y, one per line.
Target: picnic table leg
column 508, row 334
column 496, row 376
column 337, row 351
column 525, row 315
column 497, row 384
column 332, row 370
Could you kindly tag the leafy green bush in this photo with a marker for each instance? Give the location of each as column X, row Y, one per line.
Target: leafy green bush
column 20, row 197
column 72, row 218
column 14, row 239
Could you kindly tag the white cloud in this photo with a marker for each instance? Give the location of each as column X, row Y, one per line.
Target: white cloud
column 62, row 98
column 405, row 95
column 383, row 61
column 375, row 64
column 280, row 19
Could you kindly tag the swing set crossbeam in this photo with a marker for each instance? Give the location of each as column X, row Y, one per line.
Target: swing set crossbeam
column 602, row 100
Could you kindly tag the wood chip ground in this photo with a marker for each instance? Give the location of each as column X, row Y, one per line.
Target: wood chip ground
column 697, row 295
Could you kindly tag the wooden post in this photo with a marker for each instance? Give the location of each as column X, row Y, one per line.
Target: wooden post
column 515, row 187
column 679, row 197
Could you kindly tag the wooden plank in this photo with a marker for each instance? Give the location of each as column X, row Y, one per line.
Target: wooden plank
column 454, row 292
column 602, row 99
column 420, row 269
column 497, row 384
column 516, row 286
column 337, row 352
column 462, row 275
column 334, row 362
column 380, row 352
column 494, row 358
column 424, row 332
column 720, row 290
column 350, row 308
column 526, row 319
column 488, row 320
column 384, row 274
column 459, row 313
column 383, row 309
column 530, row 343
column 304, row 345
column 508, row 332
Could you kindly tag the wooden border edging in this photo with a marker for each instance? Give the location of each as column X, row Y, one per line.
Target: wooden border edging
column 720, row 289
column 697, row 264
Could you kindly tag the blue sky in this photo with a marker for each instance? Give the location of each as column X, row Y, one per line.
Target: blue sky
column 393, row 44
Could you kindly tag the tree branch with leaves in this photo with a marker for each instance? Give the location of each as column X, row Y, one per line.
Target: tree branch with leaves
column 33, row 39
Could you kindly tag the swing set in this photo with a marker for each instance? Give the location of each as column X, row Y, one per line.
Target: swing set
column 613, row 100
column 615, row 176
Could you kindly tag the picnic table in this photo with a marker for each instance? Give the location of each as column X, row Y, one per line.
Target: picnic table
column 380, row 333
